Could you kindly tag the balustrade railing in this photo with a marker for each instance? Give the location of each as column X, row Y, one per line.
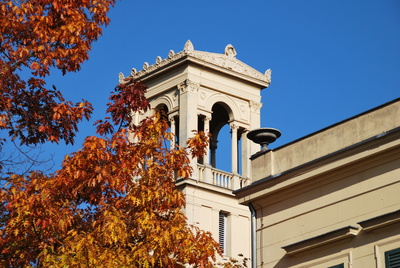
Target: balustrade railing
column 220, row 178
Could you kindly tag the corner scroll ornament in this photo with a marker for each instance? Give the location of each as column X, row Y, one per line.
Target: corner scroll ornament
column 255, row 106
column 145, row 66
column 158, row 60
column 188, row 85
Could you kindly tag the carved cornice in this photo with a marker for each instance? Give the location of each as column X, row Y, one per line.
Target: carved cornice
column 227, row 61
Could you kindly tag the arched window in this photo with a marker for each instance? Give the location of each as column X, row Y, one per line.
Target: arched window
column 173, row 123
column 221, row 144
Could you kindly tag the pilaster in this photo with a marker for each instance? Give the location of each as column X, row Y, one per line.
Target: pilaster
column 188, row 114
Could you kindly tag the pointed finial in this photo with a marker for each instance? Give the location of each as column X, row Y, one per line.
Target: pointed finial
column 121, row 78
column 188, row 46
column 230, row 51
column 268, row 74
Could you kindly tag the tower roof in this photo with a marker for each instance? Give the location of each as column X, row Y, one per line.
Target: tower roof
column 226, row 63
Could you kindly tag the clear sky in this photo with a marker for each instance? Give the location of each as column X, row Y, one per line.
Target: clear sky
column 330, row 60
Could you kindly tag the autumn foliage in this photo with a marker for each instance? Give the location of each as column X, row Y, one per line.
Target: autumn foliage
column 114, row 203
column 38, row 36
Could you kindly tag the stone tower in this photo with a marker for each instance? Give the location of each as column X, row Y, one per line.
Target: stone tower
column 205, row 91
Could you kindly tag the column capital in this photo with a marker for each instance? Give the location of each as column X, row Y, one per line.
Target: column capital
column 233, row 126
column 207, row 119
column 188, row 85
column 255, row 106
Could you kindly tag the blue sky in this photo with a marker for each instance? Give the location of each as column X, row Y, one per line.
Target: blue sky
column 330, row 60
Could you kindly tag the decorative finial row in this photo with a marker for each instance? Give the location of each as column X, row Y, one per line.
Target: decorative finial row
column 227, row 60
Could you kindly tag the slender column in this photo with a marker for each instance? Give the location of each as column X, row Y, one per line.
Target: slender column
column 245, row 155
column 234, row 129
column 213, row 149
column 207, row 120
column 173, row 132
column 255, row 107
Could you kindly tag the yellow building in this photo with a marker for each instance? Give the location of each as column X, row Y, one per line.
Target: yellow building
column 332, row 198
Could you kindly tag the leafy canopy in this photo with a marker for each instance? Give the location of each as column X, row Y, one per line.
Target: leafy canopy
column 36, row 37
column 114, row 202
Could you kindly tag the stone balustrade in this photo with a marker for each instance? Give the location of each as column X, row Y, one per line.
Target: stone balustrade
column 220, row 178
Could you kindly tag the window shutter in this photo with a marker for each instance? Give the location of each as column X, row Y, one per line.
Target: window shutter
column 222, row 231
column 392, row 258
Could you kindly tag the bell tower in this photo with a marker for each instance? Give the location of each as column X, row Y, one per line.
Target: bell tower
column 206, row 91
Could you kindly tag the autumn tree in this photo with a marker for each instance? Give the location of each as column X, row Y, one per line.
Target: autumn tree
column 38, row 36
column 114, row 203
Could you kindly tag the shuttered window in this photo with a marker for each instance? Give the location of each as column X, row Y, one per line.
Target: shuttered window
column 392, row 258
column 222, row 230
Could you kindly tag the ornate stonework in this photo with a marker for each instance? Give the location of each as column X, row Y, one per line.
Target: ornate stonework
column 233, row 126
column 188, row 46
column 230, row 51
column 121, row 78
column 255, row 106
column 188, row 85
column 227, row 60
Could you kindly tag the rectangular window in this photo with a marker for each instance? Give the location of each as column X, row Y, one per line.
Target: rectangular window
column 392, row 258
column 223, row 219
column 337, row 266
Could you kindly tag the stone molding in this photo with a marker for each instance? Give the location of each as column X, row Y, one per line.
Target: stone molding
column 318, row 241
column 227, row 61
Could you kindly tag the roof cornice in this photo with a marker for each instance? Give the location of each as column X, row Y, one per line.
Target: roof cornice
column 226, row 63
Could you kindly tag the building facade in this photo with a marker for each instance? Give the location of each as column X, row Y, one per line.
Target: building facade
column 205, row 91
column 332, row 198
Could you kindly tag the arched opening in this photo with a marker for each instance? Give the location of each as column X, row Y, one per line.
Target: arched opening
column 221, row 141
column 163, row 110
column 223, row 154
column 173, row 122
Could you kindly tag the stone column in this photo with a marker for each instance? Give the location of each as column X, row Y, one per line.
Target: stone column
column 207, row 120
column 234, row 129
column 188, row 115
column 245, row 155
column 173, row 132
column 255, row 107
column 213, row 149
